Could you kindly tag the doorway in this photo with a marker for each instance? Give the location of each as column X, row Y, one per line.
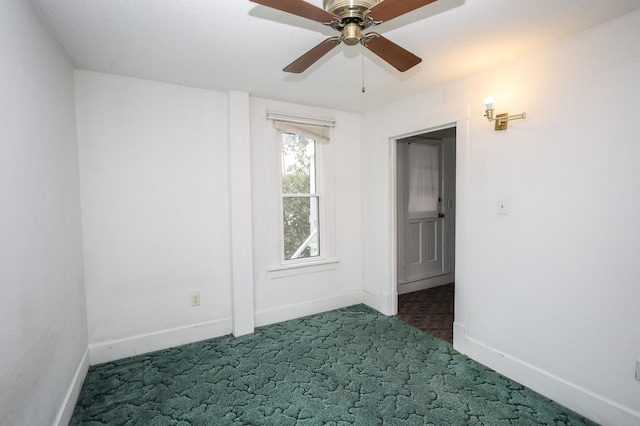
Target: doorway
column 431, row 310
column 426, row 194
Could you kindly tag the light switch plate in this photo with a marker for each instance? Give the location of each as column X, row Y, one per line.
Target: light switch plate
column 195, row 298
column 638, row 369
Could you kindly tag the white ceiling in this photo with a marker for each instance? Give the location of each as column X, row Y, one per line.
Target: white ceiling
column 239, row 45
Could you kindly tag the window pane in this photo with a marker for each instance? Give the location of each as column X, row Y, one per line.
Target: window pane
column 424, row 180
column 301, row 233
column 298, row 164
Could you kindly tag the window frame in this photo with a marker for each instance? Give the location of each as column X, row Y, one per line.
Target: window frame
column 326, row 204
column 318, row 168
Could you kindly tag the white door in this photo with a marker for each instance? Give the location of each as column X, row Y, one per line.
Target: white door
column 423, row 234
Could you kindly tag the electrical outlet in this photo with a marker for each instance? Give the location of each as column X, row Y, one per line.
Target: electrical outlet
column 503, row 206
column 195, row 298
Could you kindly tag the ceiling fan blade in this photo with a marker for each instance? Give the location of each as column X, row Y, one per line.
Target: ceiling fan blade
column 300, row 8
column 395, row 55
column 309, row 58
column 389, row 9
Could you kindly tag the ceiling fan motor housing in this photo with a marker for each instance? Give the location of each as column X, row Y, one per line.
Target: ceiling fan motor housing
column 351, row 13
column 349, row 8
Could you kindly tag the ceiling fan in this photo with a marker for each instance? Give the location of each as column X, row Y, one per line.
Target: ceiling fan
column 350, row 18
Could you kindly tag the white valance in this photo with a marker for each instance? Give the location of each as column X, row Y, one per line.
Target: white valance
column 312, row 128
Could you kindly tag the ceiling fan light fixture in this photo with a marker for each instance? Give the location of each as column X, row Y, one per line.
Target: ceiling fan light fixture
column 352, row 34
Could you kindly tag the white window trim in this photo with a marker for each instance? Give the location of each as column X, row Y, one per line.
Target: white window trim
column 327, row 260
column 303, row 268
column 319, row 193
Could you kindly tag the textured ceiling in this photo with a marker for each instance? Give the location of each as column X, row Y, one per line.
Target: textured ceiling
column 239, row 45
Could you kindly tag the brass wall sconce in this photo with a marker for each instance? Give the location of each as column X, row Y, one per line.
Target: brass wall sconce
column 501, row 119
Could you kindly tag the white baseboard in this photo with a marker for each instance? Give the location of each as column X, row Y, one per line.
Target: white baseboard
column 459, row 337
column 135, row 345
column 298, row 310
column 378, row 302
column 71, row 397
column 589, row 404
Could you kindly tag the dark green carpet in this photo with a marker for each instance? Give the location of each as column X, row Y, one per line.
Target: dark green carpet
column 350, row 366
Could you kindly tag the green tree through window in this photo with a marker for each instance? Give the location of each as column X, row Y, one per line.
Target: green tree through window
column 300, row 200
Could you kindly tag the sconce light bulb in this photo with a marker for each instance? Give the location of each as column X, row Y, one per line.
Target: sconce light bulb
column 488, row 102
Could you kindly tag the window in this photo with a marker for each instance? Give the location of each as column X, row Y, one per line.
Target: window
column 300, row 197
column 302, row 184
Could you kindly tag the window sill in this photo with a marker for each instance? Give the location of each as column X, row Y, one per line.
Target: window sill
column 281, row 271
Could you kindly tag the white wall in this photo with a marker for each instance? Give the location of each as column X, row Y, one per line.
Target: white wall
column 548, row 294
column 155, row 166
column 280, row 298
column 43, row 333
column 155, row 213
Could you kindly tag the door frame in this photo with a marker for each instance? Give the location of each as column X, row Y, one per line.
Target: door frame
column 458, row 117
column 446, row 177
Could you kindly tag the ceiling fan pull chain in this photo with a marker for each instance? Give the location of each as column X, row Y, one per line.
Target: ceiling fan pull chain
column 363, row 89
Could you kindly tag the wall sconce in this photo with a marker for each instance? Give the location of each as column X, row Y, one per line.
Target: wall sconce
column 500, row 119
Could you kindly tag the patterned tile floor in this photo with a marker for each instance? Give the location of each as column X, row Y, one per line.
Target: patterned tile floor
column 430, row 310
